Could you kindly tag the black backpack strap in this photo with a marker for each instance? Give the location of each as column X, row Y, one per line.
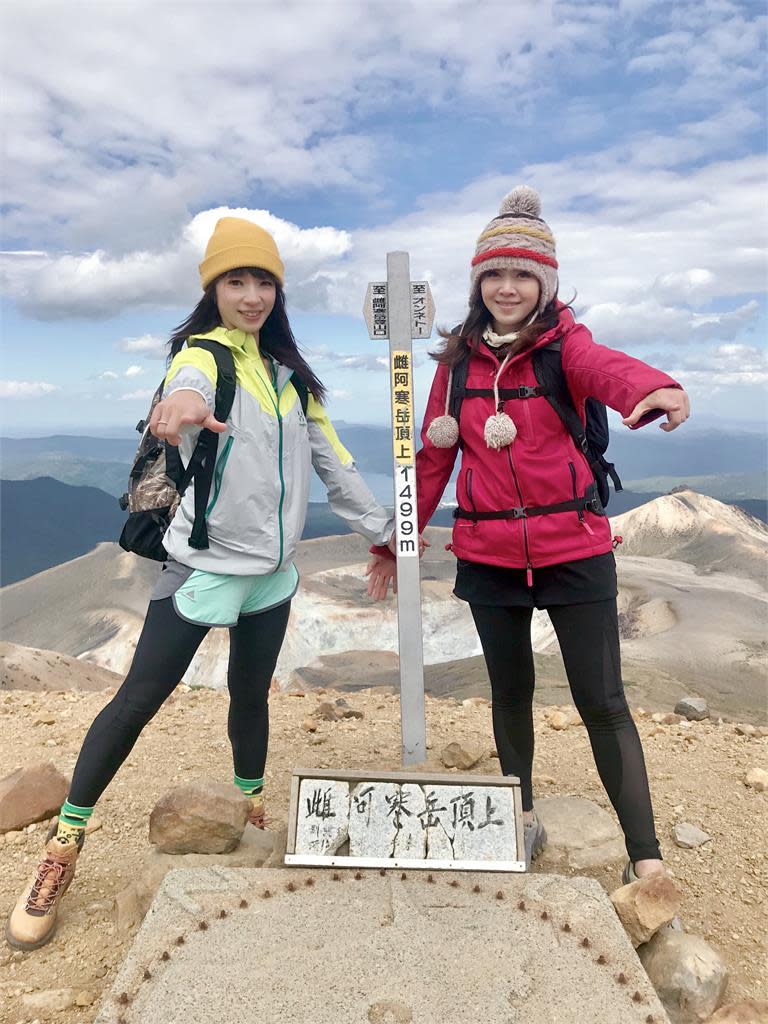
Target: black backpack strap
column 458, row 386
column 548, row 368
column 302, row 391
column 203, row 460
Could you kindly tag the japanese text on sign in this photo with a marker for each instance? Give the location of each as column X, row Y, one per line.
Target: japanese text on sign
column 402, row 408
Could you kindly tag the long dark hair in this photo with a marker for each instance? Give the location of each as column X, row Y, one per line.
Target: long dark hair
column 275, row 337
column 456, row 342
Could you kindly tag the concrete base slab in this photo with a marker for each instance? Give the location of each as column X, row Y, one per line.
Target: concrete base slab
column 245, row 946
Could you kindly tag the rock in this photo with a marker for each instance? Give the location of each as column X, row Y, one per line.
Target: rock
column 475, row 702
column 558, row 720
column 579, row 833
column 462, row 756
column 692, row 708
column 757, row 778
column 543, row 780
column 371, row 819
column 762, row 731
column 49, row 1001
column 309, row 725
column 645, row 906
column 199, row 817
column 352, row 713
column 745, row 729
column 688, row 975
column 85, row 998
column 747, row 1011
column 255, row 850
column 689, row 836
column 31, row 794
column 326, row 712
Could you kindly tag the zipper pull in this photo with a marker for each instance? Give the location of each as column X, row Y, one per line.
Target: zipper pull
column 449, row 547
column 617, row 540
column 529, row 575
column 587, row 527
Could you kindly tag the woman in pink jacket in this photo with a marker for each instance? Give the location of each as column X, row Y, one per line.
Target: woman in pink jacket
column 530, row 528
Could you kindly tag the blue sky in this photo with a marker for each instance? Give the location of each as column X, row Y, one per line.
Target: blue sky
column 350, row 129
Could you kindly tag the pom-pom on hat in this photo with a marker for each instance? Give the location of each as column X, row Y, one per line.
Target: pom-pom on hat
column 239, row 243
column 518, row 239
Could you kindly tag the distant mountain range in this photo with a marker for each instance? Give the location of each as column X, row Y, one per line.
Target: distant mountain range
column 730, row 466
column 58, row 493
column 692, row 607
column 44, row 522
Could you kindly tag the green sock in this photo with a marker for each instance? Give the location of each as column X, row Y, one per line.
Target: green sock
column 72, row 822
column 249, row 787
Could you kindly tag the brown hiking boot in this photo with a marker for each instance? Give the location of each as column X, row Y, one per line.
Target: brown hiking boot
column 32, row 921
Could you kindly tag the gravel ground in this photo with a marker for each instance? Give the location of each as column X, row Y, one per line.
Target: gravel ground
column 697, row 775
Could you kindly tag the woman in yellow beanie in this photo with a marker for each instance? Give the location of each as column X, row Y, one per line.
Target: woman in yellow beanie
column 240, row 572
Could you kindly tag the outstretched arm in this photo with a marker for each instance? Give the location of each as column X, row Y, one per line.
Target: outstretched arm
column 672, row 401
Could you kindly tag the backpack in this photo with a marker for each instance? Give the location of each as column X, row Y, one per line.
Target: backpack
column 591, row 439
column 158, row 478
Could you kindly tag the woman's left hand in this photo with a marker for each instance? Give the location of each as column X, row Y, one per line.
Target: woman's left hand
column 381, row 571
column 673, row 401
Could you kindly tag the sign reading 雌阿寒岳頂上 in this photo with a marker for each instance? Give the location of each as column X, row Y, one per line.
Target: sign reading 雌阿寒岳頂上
column 389, row 819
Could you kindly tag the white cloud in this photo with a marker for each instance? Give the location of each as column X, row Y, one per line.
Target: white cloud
column 100, row 285
column 149, row 345
column 25, row 389
column 107, row 375
column 141, row 393
column 339, row 394
column 695, row 285
column 134, row 371
column 116, row 151
column 636, row 324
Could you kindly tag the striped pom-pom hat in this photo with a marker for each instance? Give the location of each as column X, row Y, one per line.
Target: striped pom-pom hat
column 518, row 239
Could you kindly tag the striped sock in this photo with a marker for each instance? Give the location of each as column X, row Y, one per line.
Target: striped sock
column 249, row 787
column 72, row 822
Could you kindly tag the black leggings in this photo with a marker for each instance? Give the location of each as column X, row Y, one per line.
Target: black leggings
column 165, row 649
column 588, row 635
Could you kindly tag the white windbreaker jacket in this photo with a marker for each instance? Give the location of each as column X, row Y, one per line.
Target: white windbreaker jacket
column 260, row 491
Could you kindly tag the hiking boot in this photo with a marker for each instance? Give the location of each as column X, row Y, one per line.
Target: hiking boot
column 534, row 838
column 32, row 921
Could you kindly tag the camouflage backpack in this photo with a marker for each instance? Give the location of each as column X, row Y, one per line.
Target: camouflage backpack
column 159, row 479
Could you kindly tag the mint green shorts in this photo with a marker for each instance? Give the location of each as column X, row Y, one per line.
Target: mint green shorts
column 217, row 599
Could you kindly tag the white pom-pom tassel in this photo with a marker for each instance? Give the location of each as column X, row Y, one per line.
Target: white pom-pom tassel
column 522, row 199
column 500, row 430
column 443, row 432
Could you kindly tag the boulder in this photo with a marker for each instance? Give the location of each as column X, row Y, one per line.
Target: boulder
column 689, row 836
column 757, row 778
column 50, row 1001
column 31, row 794
column 688, row 975
column 558, row 720
column 461, row 755
column 747, row 1011
column 579, row 834
column 692, row 708
column 199, row 817
column 256, row 849
column 645, row 906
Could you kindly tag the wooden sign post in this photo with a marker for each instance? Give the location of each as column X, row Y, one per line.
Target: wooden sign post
column 400, row 310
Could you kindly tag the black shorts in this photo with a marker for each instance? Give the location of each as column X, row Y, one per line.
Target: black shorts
column 579, row 582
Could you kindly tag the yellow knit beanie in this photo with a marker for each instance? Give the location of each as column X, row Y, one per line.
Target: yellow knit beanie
column 239, row 243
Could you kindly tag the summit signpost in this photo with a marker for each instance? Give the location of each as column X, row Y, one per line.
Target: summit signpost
column 400, row 309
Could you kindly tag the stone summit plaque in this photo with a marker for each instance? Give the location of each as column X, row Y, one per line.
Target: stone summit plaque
column 402, row 820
